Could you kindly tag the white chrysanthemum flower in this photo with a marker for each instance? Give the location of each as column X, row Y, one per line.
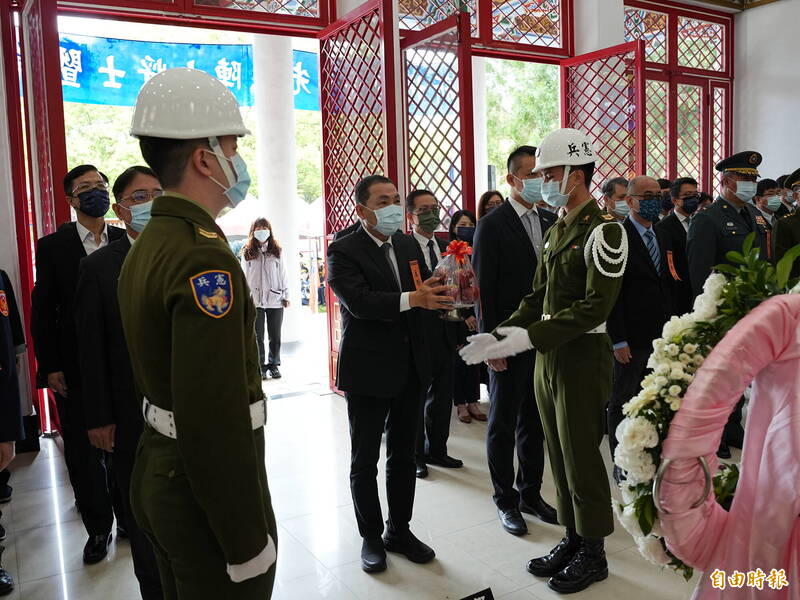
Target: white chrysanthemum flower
column 674, row 390
column 628, row 494
column 684, row 358
column 628, row 519
column 638, row 467
column 690, row 348
column 661, row 381
column 675, row 404
column 673, row 350
column 662, row 369
column 652, row 549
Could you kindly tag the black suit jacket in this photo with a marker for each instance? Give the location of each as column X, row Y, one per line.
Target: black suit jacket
column 52, row 319
column 12, row 337
column 678, row 283
column 505, row 263
column 380, row 345
column 347, row 230
column 643, row 304
column 108, row 390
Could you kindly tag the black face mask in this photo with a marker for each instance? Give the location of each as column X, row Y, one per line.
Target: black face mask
column 666, row 203
column 94, row 203
column 466, row 234
column 690, row 204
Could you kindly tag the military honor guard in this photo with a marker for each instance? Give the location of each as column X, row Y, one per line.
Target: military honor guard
column 199, row 486
column 575, row 287
column 787, row 228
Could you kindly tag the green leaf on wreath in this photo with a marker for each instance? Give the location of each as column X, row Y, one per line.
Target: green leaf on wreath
column 748, row 243
column 784, row 266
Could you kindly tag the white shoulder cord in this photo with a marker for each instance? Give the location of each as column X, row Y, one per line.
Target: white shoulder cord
column 598, row 248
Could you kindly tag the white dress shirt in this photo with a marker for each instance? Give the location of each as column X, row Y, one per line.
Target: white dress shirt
column 87, row 238
column 405, row 302
column 423, row 243
column 130, row 239
column 684, row 220
column 532, row 215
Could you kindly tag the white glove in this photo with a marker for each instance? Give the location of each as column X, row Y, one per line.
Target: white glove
column 475, row 351
column 485, row 346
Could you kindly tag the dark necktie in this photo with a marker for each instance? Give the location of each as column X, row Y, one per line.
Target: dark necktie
column 432, row 254
column 746, row 216
column 650, row 240
column 387, row 251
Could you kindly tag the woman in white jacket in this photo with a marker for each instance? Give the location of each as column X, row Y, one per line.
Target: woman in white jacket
column 266, row 276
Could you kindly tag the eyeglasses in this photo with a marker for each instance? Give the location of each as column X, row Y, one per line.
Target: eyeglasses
column 647, row 196
column 140, row 196
column 425, row 211
column 89, row 185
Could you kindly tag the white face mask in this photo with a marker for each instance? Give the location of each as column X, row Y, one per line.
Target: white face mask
column 262, row 235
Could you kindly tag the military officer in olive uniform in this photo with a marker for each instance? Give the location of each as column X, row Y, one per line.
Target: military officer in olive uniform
column 199, row 486
column 725, row 224
column 575, row 287
column 787, row 228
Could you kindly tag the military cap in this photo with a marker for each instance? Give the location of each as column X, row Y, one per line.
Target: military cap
column 745, row 163
column 792, row 180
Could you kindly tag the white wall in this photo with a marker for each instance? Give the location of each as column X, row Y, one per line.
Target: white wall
column 767, row 85
column 598, row 24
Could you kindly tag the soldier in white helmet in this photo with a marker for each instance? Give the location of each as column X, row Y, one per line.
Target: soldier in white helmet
column 576, row 286
column 199, row 486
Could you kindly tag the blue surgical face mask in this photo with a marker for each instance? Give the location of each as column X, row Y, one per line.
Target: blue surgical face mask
column 553, row 191
column 94, row 202
column 773, row 203
column 262, row 235
column 649, row 209
column 140, row 215
column 622, row 208
column 389, row 219
column 466, row 233
column 531, row 190
column 745, row 190
column 238, row 179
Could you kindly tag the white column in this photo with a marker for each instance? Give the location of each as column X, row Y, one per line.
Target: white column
column 277, row 165
column 479, row 122
column 598, row 25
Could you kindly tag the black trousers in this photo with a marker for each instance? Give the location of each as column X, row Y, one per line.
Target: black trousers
column 433, row 427
column 274, row 321
column 466, row 381
column 86, row 466
column 514, row 421
column 145, row 566
column 368, row 417
column 627, row 382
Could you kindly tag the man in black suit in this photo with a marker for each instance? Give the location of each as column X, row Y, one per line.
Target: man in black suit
column 352, row 228
column 383, row 364
column 434, row 417
column 673, row 229
column 53, row 329
column 111, row 406
column 508, row 244
column 642, row 306
column 768, row 202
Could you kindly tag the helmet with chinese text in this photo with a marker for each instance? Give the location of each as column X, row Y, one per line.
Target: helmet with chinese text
column 564, row 147
column 185, row 104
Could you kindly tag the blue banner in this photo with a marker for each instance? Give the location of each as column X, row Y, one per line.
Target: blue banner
column 97, row 70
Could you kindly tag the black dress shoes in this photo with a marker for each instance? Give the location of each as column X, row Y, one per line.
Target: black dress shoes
column 724, row 451
column 587, row 566
column 559, row 557
column 5, row 493
column 409, row 546
column 373, row 555
column 274, row 372
column 422, row 470
column 540, row 508
column 96, row 548
column 6, row 581
column 512, row 521
column 448, row 462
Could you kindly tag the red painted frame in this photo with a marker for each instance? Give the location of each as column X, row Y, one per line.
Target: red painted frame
column 16, row 141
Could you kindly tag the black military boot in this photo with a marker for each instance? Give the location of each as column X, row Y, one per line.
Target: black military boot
column 559, row 557
column 6, row 581
column 588, row 565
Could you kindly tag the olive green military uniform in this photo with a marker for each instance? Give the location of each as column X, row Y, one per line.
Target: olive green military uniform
column 785, row 236
column 574, row 368
column 202, row 498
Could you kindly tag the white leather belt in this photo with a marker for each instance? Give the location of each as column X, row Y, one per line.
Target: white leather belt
column 599, row 329
column 163, row 421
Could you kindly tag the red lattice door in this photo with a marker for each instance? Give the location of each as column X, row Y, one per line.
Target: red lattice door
column 359, row 121
column 602, row 95
column 44, row 111
column 437, row 86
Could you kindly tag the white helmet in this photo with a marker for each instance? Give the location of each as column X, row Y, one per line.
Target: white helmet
column 564, row 147
column 184, row 104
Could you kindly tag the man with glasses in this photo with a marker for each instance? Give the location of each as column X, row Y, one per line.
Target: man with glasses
column 674, row 228
column 437, row 405
column 787, row 228
column 110, row 403
column 642, row 306
column 58, row 256
column 723, row 227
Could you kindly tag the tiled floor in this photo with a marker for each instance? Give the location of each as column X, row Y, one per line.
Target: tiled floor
column 307, row 453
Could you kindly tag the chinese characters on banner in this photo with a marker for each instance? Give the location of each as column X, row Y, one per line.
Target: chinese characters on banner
column 758, row 579
column 110, row 71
